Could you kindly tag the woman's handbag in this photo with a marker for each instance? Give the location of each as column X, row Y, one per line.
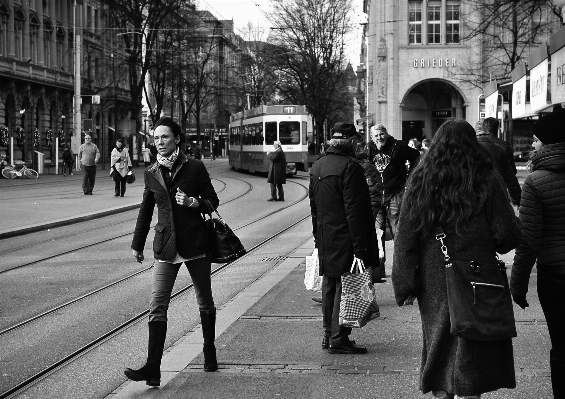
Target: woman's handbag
column 478, row 296
column 226, row 246
column 130, row 177
column 358, row 303
column 312, row 278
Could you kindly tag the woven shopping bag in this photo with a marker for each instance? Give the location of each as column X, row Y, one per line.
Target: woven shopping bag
column 312, row 278
column 358, row 300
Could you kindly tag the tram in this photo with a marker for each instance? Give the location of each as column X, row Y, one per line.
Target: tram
column 252, row 133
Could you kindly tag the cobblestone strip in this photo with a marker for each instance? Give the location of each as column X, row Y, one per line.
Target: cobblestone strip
column 332, row 369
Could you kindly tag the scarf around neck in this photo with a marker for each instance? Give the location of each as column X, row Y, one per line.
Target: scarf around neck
column 168, row 162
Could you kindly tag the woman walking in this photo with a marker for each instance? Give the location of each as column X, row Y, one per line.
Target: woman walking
column 180, row 187
column 454, row 187
column 542, row 212
column 120, row 165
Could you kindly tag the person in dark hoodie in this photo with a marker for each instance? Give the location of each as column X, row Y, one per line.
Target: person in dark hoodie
column 542, row 212
column 501, row 154
column 389, row 156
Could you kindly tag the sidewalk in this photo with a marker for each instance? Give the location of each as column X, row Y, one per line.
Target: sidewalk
column 269, row 336
column 54, row 200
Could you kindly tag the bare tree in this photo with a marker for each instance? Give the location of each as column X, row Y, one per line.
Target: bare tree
column 310, row 58
column 505, row 31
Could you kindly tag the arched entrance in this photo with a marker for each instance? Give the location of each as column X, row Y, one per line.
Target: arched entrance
column 427, row 105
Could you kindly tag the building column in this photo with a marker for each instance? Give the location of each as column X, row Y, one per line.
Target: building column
column 65, row 22
column 11, row 39
column 53, row 16
column 424, row 22
column 443, row 22
column 26, row 37
column 40, row 37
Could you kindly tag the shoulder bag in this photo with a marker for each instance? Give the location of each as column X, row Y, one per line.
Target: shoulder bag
column 480, row 305
column 226, row 246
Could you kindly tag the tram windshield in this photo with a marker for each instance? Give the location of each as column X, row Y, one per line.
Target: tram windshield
column 289, row 132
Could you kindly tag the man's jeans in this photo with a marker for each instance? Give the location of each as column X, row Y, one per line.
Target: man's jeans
column 88, row 178
column 387, row 222
column 331, row 298
column 163, row 280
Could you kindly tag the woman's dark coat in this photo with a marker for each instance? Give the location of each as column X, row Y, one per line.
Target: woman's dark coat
column 542, row 212
column 277, row 171
column 341, row 213
column 449, row 363
column 179, row 228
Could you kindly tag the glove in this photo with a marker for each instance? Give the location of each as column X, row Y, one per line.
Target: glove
column 520, row 301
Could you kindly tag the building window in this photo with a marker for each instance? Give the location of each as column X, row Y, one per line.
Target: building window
column 3, row 30
column 434, row 23
column 415, row 22
column 452, row 23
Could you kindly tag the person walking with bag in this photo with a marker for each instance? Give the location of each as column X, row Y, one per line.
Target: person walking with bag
column 120, row 165
column 277, row 172
column 456, row 187
column 542, row 212
column 180, row 187
column 340, row 204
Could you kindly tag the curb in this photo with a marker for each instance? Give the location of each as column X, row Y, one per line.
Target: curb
column 66, row 221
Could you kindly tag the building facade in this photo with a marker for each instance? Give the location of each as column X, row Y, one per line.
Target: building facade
column 415, row 71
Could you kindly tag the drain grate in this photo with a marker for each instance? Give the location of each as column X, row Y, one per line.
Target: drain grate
column 274, row 258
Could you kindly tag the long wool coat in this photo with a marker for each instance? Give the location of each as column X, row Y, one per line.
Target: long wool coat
column 450, row 363
column 277, row 171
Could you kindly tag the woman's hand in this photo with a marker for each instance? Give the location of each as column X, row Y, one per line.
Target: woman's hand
column 138, row 255
column 183, row 200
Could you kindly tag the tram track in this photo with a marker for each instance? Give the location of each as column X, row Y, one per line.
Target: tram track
column 15, row 248
column 128, row 277
column 20, row 387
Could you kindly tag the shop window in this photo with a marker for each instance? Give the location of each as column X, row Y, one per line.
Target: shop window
column 415, row 22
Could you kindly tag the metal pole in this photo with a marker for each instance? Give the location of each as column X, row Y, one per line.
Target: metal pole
column 77, row 100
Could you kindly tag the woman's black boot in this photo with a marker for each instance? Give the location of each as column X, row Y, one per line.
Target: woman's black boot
column 208, row 320
column 151, row 372
column 557, row 365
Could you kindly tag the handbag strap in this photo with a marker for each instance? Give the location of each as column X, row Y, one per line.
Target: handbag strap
column 357, row 264
column 212, row 210
column 440, row 236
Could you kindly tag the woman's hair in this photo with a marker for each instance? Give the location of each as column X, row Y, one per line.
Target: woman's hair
column 171, row 124
column 120, row 141
column 448, row 186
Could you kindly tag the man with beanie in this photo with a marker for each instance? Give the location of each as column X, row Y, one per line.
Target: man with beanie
column 390, row 157
column 343, row 228
column 501, row 154
column 542, row 213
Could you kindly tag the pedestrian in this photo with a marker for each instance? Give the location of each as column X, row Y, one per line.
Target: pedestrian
column 198, row 152
column 68, row 160
column 390, row 157
column 88, row 154
column 120, row 165
column 456, row 187
column 343, row 229
column 542, row 212
column 371, row 177
column 502, row 155
column 414, row 143
column 152, row 150
column 181, row 188
column 146, row 155
column 277, row 172
column 425, row 145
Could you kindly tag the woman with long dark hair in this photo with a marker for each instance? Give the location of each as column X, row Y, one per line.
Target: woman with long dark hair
column 454, row 187
column 180, row 187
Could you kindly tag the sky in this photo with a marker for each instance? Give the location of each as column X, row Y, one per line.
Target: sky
column 243, row 11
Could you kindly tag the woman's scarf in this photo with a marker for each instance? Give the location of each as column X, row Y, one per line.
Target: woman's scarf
column 168, row 162
column 119, row 148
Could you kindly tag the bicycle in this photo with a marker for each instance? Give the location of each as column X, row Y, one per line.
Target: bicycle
column 10, row 172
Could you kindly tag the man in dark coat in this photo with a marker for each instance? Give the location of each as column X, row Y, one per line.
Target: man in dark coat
column 390, row 157
column 501, row 154
column 343, row 228
column 277, row 172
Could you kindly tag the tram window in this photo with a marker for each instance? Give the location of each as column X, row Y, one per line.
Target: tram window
column 237, row 136
column 270, row 132
column 259, row 134
column 289, row 132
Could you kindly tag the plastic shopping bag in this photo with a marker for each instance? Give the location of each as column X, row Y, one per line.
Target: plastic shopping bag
column 358, row 300
column 312, row 278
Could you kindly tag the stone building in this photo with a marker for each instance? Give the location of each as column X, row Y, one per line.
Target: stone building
column 414, row 63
